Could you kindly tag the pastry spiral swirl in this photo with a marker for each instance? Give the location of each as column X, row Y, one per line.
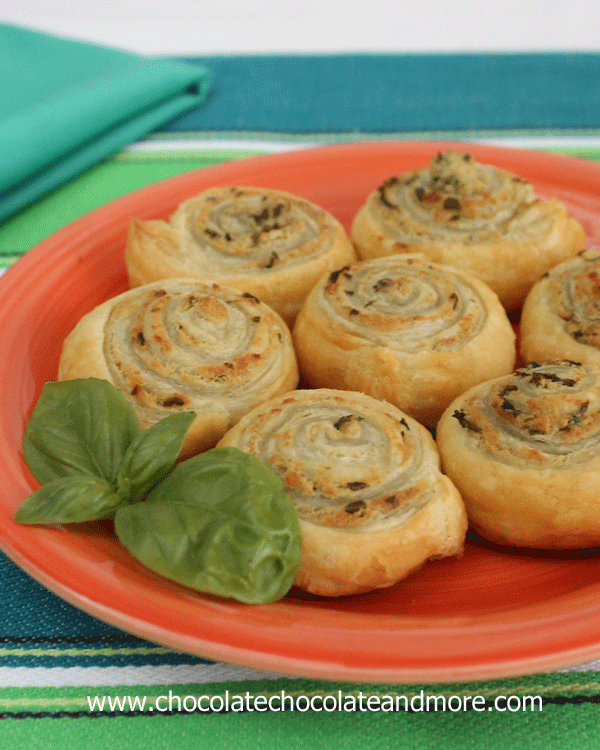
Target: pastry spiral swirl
column 561, row 315
column 524, row 451
column 180, row 345
column 365, row 479
column 478, row 217
column 267, row 242
column 404, row 330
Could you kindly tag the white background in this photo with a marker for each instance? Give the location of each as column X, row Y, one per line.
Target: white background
column 188, row 27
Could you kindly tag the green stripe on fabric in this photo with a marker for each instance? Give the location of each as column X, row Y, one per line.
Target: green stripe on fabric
column 315, row 731
column 8, row 259
column 554, row 688
column 200, row 157
column 46, row 717
column 108, row 654
column 583, row 152
column 111, row 179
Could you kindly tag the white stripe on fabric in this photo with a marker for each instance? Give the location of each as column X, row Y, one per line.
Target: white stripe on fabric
column 211, row 144
column 147, row 675
column 258, row 144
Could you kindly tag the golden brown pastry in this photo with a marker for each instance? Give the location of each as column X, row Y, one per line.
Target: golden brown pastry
column 404, row 330
column 524, row 452
column 473, row 216
column 365, row 478
column 180, row 345
column 267, row 242
column 561, row 315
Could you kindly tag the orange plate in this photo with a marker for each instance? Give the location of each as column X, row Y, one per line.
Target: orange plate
column 493, row 613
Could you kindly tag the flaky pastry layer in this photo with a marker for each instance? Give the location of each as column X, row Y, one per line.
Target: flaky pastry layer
column 269, row 243
column 365, row 479
column 404, row 330
column 561, row 315
column 181, row 345
column 478, row 217
column 524, row 452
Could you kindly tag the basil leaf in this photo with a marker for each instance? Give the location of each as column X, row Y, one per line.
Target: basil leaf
column 219, row 523
column 70, row 500
column 216, row 476
column 152, row 455
column 79, row 427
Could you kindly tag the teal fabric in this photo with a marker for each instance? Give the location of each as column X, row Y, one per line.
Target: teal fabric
column 66, row 105
column 396, row 93
column 34, row 622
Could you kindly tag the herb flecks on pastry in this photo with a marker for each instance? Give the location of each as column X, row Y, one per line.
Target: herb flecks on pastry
column 267, row 242
column 524, row 451
column 365, row 479
column 474, row 216
column 180, row 345
column 405, row 330
column 548, row 408
column 561, row 315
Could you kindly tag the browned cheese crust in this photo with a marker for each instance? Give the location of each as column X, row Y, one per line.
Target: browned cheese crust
column 404, row 330
column 269, row 243
column 180, row 345
column 524, row 451
column 365, row 479
column 478, row 217
column 561, row 315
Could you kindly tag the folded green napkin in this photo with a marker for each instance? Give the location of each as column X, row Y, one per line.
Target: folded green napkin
column 66, row 105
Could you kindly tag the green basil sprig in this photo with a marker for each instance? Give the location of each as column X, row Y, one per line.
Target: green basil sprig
column 84, row 444
column 218, row 522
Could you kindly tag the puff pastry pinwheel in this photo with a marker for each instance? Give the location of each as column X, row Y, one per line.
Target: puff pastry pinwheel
column 561, row 315
column 181, row 345
column 478, row 217
column 365, row 479
column 267, row 242
column 524, row 452
column 404, row 330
